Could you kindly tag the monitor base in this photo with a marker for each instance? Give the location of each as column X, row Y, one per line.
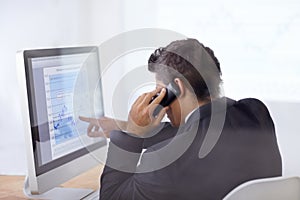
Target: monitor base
column 58, row 193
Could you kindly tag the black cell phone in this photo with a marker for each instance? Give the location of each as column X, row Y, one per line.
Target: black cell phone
column 172, row 91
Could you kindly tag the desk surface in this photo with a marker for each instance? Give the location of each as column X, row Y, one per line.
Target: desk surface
column 11, row 187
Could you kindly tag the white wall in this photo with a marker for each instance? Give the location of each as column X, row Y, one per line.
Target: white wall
column 285, row 115
column 36, row 24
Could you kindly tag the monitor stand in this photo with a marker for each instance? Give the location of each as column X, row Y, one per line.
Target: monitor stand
column 58, row 193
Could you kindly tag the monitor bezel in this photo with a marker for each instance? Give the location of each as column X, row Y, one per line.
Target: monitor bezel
column 43, row 178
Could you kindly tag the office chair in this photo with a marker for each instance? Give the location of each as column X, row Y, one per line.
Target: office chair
column 277, row 188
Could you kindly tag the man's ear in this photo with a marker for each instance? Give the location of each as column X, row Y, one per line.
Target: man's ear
column 181, row 86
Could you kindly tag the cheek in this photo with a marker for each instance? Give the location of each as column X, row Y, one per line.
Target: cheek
column 171, row 117
column 176, row 120
column 174, row 114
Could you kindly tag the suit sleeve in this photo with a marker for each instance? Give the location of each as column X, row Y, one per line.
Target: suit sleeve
column 117, row 179
column 165, row 133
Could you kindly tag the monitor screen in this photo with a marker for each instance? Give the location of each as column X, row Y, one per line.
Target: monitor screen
column 62, row 84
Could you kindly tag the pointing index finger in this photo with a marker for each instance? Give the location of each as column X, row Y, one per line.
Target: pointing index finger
column 89, row 120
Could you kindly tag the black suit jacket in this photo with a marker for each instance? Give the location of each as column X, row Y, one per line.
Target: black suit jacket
column 171, row 167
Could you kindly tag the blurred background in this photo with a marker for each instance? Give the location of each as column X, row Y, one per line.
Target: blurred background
column 257, row 43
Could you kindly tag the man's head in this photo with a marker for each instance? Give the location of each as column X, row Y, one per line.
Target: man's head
column 193, row 67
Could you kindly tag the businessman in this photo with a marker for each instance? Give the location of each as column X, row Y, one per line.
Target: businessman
column 172, row 166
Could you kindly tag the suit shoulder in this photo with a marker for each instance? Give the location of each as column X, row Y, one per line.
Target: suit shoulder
column 255, row 109
column 253, row 104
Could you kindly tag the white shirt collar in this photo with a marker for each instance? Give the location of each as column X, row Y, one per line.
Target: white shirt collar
column 189, row 115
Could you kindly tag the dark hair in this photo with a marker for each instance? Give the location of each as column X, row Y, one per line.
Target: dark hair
column 190, row 60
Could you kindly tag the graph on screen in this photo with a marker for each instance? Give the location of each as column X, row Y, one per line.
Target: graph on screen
column 64, row 127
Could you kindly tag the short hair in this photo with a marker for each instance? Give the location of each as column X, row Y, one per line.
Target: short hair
column 191, row 60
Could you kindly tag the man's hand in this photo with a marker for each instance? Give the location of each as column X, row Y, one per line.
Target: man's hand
column 141, row 120
column 103, row 126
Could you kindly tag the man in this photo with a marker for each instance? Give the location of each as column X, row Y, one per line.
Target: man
column 174, row 165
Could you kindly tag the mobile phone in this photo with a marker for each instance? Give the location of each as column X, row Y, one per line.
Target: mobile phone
column 172, row 91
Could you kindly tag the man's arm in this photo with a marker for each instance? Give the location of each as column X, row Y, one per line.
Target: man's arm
column 109, row 124
column 167, row 132
column 118, row 178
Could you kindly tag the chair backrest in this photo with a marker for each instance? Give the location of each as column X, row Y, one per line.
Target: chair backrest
column 278, row 188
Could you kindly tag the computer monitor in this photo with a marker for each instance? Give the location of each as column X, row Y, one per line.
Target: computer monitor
column 56, row 86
